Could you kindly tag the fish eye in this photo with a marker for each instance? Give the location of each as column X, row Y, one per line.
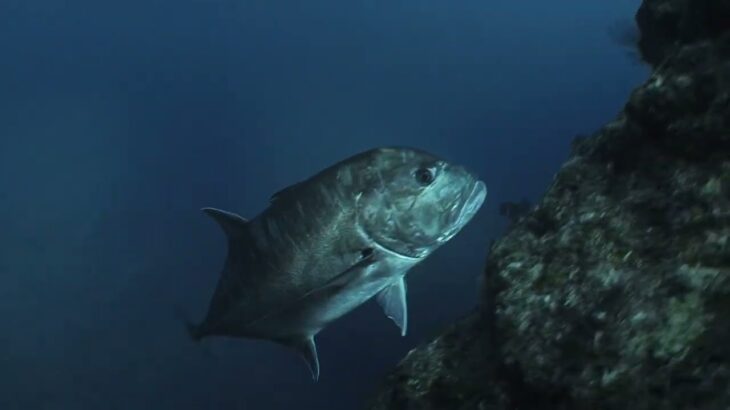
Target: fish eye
column 424, row 176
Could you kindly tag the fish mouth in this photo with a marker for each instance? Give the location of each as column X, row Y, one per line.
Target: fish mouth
column 473, row 202
column 415, row 256
column 471, row 205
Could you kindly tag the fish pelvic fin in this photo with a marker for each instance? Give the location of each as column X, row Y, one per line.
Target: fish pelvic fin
column 393, row 301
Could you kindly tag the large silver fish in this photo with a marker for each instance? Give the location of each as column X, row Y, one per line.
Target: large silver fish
column 326, row 245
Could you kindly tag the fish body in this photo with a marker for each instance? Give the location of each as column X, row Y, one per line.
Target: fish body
column 328, row 244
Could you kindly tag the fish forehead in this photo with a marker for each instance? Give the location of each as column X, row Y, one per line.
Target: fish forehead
column 383, row 157
column 349, row 176
column 386, row 156
column 359, row 173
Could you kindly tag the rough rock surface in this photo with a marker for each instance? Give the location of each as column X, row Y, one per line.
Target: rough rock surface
column 614, row 291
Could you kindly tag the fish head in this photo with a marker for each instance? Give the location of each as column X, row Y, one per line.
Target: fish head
column 414, row 202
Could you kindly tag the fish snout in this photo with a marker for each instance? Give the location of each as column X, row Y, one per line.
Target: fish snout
column 472, row 199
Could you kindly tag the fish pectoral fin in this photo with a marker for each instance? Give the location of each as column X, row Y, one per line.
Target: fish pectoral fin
column 233, row 225
column 307, row 349
column 359, row 268
column 393, row 301
column 317, row 296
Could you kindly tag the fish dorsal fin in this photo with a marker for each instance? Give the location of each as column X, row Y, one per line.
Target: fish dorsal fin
column 282, row 192
column 307, row 349
column 393, row 301
column 233, row 225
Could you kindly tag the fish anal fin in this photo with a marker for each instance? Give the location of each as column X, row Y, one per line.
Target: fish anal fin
column 232, row 224
column 393, row 301
column 307, row 349
column 359, row 268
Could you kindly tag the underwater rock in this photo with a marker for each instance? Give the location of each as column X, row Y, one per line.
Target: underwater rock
column 667, row 25
column 613, row 292
column 514, row 211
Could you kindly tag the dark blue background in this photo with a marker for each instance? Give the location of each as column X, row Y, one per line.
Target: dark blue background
column 119, row 120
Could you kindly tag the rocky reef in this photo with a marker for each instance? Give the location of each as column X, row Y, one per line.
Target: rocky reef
column 613, row 292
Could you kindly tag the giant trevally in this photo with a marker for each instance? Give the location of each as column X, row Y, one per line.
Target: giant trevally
column 328, row 244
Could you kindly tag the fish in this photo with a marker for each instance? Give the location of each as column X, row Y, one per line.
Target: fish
column 326, row 245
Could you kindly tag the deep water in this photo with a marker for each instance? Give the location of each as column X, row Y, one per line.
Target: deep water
column 120, row 120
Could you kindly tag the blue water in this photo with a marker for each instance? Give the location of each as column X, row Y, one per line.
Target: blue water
column 119, row 120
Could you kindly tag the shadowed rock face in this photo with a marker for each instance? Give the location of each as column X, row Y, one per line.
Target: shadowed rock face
column 614, row 291
column 667, row 25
